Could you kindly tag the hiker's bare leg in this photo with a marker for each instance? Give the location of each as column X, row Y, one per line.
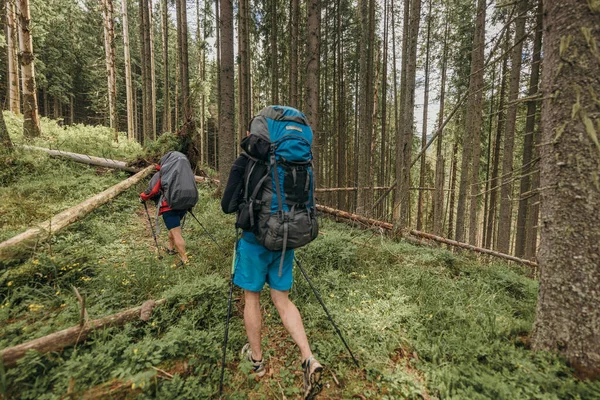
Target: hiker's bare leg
column 253, row 322
column 290, row 316
column 171, row 241
column 178, row 242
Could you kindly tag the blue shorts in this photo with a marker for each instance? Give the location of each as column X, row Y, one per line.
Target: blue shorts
column 173, row 218
column 255, row 265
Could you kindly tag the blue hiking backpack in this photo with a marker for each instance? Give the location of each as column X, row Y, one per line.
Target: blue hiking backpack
column 278, row 202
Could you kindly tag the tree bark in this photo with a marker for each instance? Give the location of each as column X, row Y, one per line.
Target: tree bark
column 5, row 142
column 294, row 36
column 273, row 37
column 109, row 49
column 452, row 190
column 70, row 336
column 31, row 122
column 226, row 96
column 311, row 84
column 525, row 185
column 470, row 153
column 147, row 111
column 367, row 44
column 128, row 78
column 12, row 246
column 152, row 67
column 14, row 92
column 424, row 129
column 244, row 70
column 438, row 203
column 567, row 312
column 491, row 218
column 166, row 125
column 506, row 191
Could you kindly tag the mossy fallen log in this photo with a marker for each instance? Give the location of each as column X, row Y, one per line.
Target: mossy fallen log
column 11, row 247
column 85, row 159
column 71, row 336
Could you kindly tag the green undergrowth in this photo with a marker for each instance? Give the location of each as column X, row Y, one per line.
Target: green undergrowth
column 423, row 322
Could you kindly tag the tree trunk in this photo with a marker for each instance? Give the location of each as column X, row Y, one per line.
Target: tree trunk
column 522, row 229
column 166, row 125
column 489, row 158
column 31, row 120
column 424, row 129
column 5, row 142
column 70, row 336
column 14, row 92
column 226, row 96
column 384, row 88
column 506, row 191
column 567, row 312
column 365, row 197
column 27, row 239
column 438, row 203
column 294, row 36
column 472, row 134
column 452, row 190
column 491, row 218
column 311, row 84
column 152, row 67
column 244, row 70
column 474, row 121
column 188, row 130
column 146, row 74
column 109, row 49
column 273, row 37
column 128, row 77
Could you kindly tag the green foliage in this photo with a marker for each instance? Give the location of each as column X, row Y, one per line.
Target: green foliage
column 420, row 320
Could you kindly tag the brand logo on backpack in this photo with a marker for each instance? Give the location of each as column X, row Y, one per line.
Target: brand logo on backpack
column 278, row 204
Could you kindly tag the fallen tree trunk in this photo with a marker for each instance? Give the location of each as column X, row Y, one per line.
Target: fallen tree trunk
column 388, row 226
column 104, row 162
column 70, row 336
column 67, row 217
column 85, row 159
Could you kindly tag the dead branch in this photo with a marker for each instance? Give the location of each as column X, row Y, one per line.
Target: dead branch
column 70, row 336
column 388, row 226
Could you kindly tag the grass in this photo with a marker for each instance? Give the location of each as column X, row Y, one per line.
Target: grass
column 423, row 322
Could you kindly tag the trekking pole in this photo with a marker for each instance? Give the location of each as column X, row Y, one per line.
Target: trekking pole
column 152, row 230
column 207, row 232
column 325, row 308
column 228, row 316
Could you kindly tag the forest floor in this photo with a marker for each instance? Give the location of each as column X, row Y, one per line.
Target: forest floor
column 424, row 322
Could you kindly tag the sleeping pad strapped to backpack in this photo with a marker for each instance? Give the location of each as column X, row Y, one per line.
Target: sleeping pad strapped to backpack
column 278, row 198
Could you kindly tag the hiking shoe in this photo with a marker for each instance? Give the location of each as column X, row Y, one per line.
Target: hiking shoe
column 312, row 377
column 258, row 367
column 170, row 252
column 180, row 264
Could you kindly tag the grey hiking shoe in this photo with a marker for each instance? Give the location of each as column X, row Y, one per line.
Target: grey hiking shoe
column 258, row 367
column 312, row 377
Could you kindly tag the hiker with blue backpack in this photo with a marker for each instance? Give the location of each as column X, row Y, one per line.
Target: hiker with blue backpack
column 173, row 189
column 271, row 188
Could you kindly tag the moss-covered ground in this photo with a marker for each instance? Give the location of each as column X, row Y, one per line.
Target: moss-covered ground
column 423, row 322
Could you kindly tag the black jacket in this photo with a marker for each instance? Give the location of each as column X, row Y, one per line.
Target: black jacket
column 234, row 190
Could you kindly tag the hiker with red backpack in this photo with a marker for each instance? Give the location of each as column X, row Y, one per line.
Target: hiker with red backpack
column 173, row 189
column 271, row 188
